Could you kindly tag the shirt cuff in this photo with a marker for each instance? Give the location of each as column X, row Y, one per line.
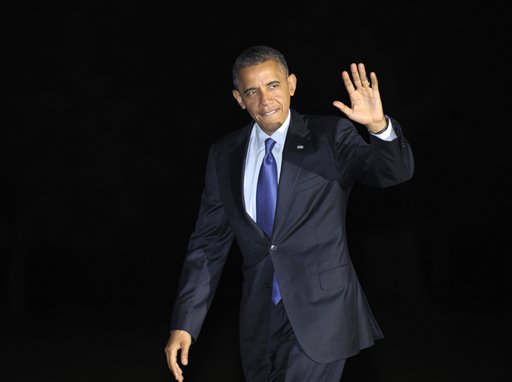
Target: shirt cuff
column 388, row 134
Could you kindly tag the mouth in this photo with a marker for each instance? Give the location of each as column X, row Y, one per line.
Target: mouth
column 268, row 113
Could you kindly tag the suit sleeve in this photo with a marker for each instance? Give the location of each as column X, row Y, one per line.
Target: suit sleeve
column 208, row 248
column 376, row 162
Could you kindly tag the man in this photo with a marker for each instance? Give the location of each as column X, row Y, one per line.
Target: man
column 303, row 312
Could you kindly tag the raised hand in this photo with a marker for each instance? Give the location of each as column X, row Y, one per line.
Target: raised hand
column 365, row 102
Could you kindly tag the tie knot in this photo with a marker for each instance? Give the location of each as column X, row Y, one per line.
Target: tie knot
column 269, row 145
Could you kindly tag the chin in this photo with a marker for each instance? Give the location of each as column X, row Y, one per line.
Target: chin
column 272, row 125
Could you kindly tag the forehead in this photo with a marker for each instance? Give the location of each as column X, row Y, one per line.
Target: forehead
column 261, row 74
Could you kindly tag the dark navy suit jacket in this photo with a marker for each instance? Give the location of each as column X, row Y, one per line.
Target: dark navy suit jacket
column 322, row 159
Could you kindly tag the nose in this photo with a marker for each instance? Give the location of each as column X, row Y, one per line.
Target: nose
column 265, row 97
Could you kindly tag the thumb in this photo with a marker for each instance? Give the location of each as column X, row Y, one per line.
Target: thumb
column 184, row 354
column 342, row 107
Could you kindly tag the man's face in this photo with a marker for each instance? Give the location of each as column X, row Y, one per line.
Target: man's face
column 265, row 91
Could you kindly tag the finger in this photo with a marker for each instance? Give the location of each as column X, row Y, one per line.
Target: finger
column 362, row 75
column 172, row 355
column 169, row 354
column 375, row 82
column 178, row 374
column 347, row 82
column 355, row 75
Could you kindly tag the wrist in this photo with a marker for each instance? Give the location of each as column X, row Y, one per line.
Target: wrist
column 379, row 129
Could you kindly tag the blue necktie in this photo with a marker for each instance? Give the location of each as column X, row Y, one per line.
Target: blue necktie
column 266, row 198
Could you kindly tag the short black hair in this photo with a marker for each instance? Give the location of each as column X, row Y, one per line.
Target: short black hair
column 254, row 55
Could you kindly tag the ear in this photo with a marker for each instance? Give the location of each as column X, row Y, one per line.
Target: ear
column 292, row 83
column 238, row 98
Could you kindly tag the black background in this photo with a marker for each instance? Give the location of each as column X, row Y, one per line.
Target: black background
column 109, row 109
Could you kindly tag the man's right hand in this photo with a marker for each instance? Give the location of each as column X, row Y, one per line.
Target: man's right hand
column 179, row 340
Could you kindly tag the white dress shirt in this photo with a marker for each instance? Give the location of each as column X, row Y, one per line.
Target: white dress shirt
column 255, row 154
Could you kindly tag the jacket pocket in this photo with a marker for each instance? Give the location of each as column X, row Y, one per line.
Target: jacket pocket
column 335, row 277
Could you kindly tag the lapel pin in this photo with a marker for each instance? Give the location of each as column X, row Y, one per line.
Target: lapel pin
column 300, row 147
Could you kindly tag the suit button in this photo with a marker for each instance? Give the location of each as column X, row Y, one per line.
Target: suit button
column 267, row 285
column 273, row 247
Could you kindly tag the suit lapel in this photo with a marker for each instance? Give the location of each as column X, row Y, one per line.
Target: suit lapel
column 296, row 147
